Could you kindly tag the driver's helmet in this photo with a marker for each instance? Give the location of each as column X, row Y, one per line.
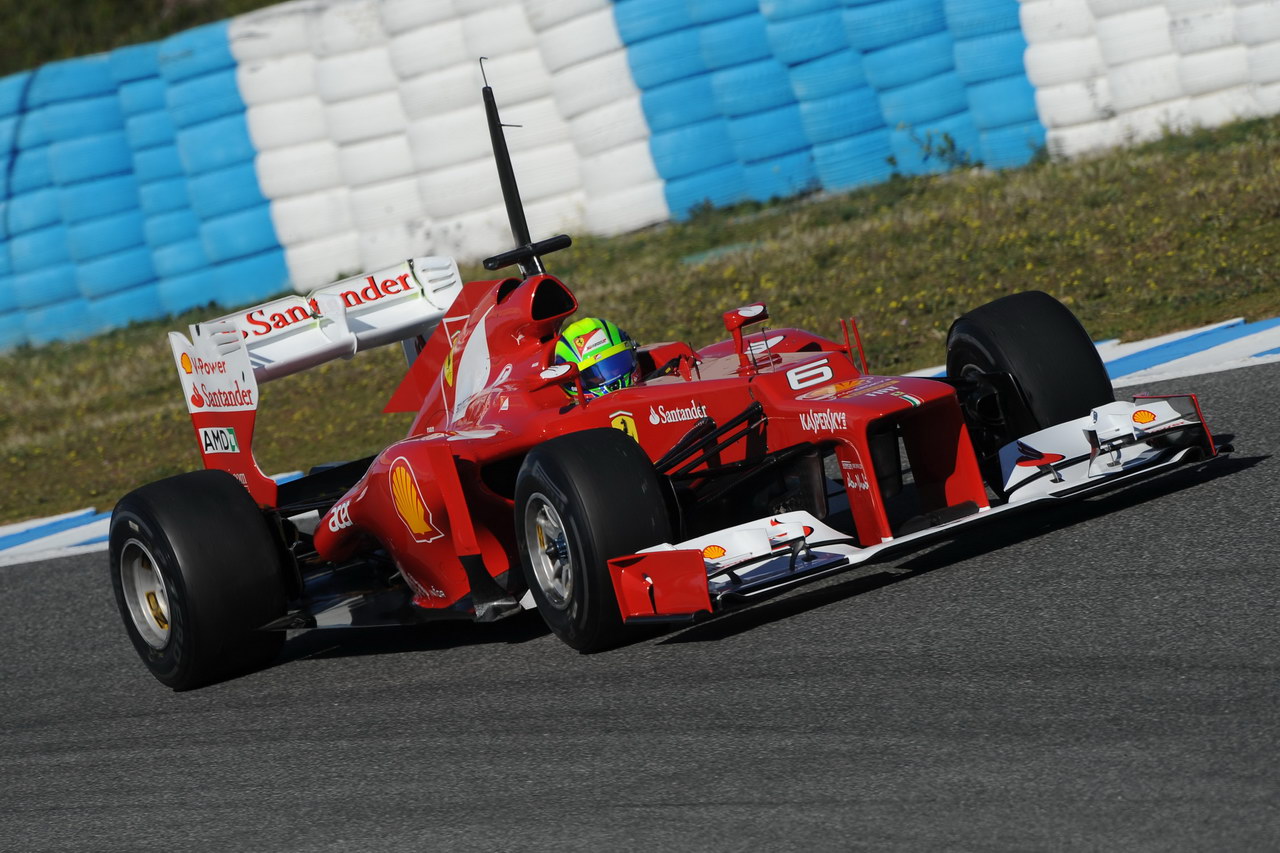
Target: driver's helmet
column 605, row 356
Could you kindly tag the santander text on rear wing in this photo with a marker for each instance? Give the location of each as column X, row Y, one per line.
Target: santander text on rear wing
column 224, row 359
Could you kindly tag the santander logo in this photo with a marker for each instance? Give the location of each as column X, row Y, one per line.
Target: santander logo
column 258, row 322
column 663, row 415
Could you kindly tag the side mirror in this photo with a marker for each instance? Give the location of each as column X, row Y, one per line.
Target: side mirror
column 735, row 320
column 556, row 374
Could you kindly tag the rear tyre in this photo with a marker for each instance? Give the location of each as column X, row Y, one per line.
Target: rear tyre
column 196, row 573
column 581, row 499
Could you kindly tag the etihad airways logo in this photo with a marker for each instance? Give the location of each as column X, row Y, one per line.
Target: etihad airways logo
column 827, row 421
column 663, row 415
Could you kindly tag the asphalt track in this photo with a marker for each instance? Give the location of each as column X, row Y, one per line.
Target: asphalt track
column 1102, row 675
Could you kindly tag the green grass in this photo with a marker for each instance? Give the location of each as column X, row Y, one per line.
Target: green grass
column 1164, row 237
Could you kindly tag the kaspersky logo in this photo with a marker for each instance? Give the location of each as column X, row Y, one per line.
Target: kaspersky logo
column 407, row 498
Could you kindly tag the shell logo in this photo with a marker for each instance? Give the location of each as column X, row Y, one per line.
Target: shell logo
column 1142, row 416
column 186, row 364
column 406, row 496
column 712, row 552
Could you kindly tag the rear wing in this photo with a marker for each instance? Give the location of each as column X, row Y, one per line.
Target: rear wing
column 222, row 363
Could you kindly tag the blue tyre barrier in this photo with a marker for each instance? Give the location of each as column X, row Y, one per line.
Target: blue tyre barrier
column 225, row 191
column 721, row 186
column 990, row 57
column 89, row 157
column 194, row 52
column 142, row 96
column 61, row 321
column 239, row 235
column 1012, row 146
column 785, row 10
column 186, row 291
column 936, row 146
column 12, row 335
column 706, row 11
column 797, row 40
column 95, row 199
column 694, row 148
column 105, row 236
column 128, row 306
column 147, row 130
column 9, row 133
column 157, row 164
column 113, row 273
column 853, row 162
column 889, row 22
column 134, row 62
column 679, row 103
column 969, row 18
column 38, row 249
column 204, row 98
column 13, row 93
column 767, row 134
column 915, row 103
column 45, row 286
column 215, row 145
column 998, row 103
column 29, row 211
column 733, row 42
column 178, row 258
column 638, row 20
column 781, row 177
column 659, row 60
column 752, row 87
column 251, row 279
column 74, row 119
column 71, row 80
column 172, row 227
column 163, row 196
column 30, row 170
column 910, row 61
column 850, row 114
column 828, row 76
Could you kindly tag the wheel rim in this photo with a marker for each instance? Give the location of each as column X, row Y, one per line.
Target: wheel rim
column 145, row 594
column 549, row 552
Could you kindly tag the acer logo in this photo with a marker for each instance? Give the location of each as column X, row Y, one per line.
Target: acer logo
column 261, row 323
column 340, row 518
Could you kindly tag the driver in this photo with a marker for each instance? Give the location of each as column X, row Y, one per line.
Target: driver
column 605, row 356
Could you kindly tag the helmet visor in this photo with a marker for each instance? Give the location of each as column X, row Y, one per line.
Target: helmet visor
column 612, row 372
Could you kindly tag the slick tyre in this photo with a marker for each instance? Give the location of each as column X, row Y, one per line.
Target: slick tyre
column 580, row 500
column 196, row 572
column 1040, row 343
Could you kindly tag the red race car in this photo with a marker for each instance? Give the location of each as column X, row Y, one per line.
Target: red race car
column 556, row 464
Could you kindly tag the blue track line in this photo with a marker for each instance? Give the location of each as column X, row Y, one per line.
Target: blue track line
column 1189, row 345
column 41, row 531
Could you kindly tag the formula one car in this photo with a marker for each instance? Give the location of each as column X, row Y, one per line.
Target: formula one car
column 708, row 479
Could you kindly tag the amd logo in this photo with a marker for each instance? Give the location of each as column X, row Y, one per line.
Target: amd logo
column 219, row 440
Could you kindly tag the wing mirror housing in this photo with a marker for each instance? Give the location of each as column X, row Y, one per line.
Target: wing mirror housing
column 739, row 318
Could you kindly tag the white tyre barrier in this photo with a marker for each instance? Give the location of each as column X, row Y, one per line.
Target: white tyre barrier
column 475, row 235
column 391, row 243
column 579, row 39
column 270, row 32
column 305, row 218
column 516, row 77
column 1268, row 99
column 546, row 172
column 534, row 124
column 1074, row 103
column 434, row 47
column 1193, row 32
column 1054, row 20
column 618, row 169
column 440, row 92
column 1212, row 70
column 299, row 170
column 285, row 123
column 1224, row 106
column 556, row 215
column 592, row 84
column 1264, row 64
column 1092, row 138
column 366, row 117
column 545, row 14
column 1258, row 23
column 351, row 75
column 323, row 261
column 464, row 188
column 379, row 205
column 1144, row 124
column 265, row 81
column 400, row 16
column 1108, row 8
column 1134, row 35
column 609, row 127
column 1068, row 61
column 376, row 160
column 499, row 30
column 449, row 138
column 1145, row 82
column 347, row 27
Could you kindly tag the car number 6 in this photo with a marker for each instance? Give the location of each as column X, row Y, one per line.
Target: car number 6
column 807, row 375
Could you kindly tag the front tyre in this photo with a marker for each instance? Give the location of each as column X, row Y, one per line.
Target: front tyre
column 582, row 499
column 195, row 573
